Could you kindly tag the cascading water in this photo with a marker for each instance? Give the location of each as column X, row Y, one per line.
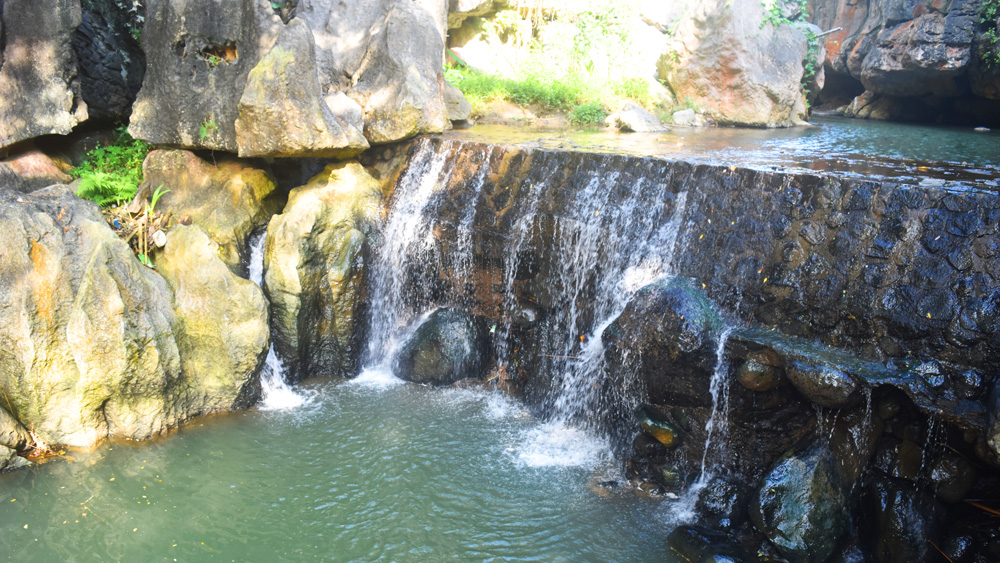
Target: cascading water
column 718, row 423
column 614, row 233
column 276, row 393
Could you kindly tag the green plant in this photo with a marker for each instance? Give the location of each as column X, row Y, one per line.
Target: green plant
column 207, row 128
column 588, row 113
column 989, row 47
column 111, row 174
column 157, row 193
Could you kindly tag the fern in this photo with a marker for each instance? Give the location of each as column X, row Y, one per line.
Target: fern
column 111, row 174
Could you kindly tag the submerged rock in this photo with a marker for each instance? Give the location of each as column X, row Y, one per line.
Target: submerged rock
column 91, row 344
column 222, row 319
column 700, row 544
column 228, row 198
column 313, row 269
column 800, row 505
column 445, row 348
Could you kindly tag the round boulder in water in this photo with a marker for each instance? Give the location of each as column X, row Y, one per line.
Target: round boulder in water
column 799, row 505
column 444, row 349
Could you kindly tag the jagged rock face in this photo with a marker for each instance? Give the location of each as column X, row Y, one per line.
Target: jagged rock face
column 228, row 198
column 446, row 348
column 314, row 266
column 93, row 344
column 738, row 69
column 111, row 64
column 213, row 64
column 39, row 88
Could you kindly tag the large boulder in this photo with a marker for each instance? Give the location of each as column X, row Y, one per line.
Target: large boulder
column 30, row 169
column 228, row 198
column 799, row 505
column 212, row 63
column 445, row 348
column 90, row 345
column 223, row 333
column 313, row 268
column 39, row 89
column 735, row 67
column 282, row 111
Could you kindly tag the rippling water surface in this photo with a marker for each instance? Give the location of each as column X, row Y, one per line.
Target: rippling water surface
column 367, row 470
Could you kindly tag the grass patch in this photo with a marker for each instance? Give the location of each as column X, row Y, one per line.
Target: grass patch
column 111, row 174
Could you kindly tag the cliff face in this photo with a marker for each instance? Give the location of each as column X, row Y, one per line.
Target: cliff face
column 906, row 59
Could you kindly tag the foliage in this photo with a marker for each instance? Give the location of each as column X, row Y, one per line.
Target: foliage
column 207, row 128
column 989, row 49
column 588, row 114
column 151, row 208
column 776, row 16
column 111, row 174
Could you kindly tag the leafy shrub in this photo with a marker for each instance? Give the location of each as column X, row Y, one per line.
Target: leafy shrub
column 588, row 114
column 111, row 174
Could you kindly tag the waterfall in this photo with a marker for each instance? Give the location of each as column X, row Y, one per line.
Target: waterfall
column 717, row 426
column 276, row 393
column 605, row 233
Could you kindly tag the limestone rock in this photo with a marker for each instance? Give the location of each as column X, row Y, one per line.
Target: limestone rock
column 198, row 56
column 29, row 170
column 39, row 89
column 445, row 348
column 799, row 505
column 110, row 61
column 223, row 333
column 313, row 268
column 282, row 111
column 736, row 70
column 90, row 345
column 229, row 198
column 13, row 434
column 633, row 118
column 460, row 10
column 459, row 109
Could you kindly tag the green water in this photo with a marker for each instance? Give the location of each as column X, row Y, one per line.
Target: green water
column 359, row 473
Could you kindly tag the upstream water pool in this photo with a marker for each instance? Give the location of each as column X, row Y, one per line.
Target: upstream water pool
column 369, row 470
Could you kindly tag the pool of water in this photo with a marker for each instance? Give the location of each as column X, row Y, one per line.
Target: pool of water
column 902, row 152
column 369, row 470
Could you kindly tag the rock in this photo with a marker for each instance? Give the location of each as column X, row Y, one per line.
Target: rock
column 822, row 384
column 29, row 170
column 282, row 111
column 13, row 435
column 110, row 61
column 10, row 461
column 723, row 503
column 671, row 330
column 460, row 10
column 687, row 118
column 459, row 109
column 391, row 66
column 800, row 504
column 222, row 317
column 992, row 431
column 952, row 476
column 227, row 198
column 314, row 266
column 700, row 544
column 743, row 71
column 90, row 346
column 633, row 118
column 760, row 371
column 446, row 347
column 39, row 88
column 902, row 522
column 664, row 432
column 855, row 436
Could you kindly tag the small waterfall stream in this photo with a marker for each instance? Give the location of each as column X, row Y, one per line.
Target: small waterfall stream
column 608, row 241
column 276, row 393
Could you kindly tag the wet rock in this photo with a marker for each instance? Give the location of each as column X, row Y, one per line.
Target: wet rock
column 854, row 440
column 699, row 544
column 661, row 430
column 723, row 503
column 222, row 319
column 745, row 72
column 92, row 344
column 228, row 198
column 822, row 384
column 902, row 522
column 282, row 111
column 445, row 348
column 672, row 330
column 800, row 504
column 992, row 432
column 39, row 88
column 314, row 266
column 633, row 118
column 760, row 371
column 952, row 476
